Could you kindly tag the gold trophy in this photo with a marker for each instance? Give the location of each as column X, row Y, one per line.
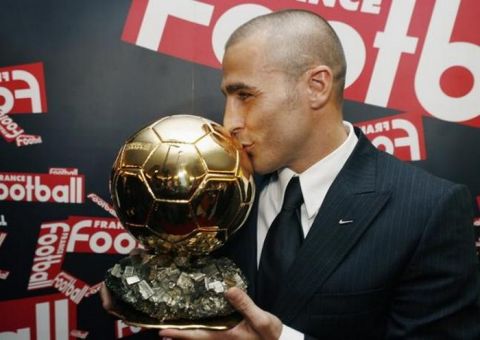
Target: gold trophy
column 182, row 187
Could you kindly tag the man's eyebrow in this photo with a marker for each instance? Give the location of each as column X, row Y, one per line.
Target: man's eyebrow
column 232, row 88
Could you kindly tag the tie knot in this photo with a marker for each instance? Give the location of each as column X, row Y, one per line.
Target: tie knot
column 293, row 195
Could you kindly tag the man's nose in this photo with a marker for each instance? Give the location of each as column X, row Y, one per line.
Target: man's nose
column 233, row 119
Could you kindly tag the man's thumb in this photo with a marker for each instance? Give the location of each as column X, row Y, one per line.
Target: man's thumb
column 265, row 324
column 243, row 303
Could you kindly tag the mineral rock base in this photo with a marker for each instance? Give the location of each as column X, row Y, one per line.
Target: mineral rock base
column 165, row 287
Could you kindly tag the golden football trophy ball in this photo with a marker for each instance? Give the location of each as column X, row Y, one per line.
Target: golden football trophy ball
column 181, row 186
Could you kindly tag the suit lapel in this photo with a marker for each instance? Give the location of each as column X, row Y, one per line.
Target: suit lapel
column 347, row 211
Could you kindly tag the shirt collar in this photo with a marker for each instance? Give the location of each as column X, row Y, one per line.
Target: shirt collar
column 316, row 180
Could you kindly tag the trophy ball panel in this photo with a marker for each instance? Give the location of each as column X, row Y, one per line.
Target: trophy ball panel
column 138, row 231
column 220, row 130
column 132, row 199
column 135, row 154
column 118, row 160
column 218, row 153
column 240, row 218
column 247, row 188
column 174, row 171
column 115, row 170
column 245, row 168
column 172, row 219
column 145, row 135
column 181, row 128
column 217, row 203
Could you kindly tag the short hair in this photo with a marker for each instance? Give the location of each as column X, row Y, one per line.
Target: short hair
column 297, row 40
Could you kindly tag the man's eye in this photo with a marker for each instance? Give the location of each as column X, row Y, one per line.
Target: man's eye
column 244, row 95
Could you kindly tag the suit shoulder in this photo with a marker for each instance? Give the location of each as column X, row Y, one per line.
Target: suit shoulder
column 409, row 178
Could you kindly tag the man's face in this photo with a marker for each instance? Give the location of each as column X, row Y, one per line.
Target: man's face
column 265, row 110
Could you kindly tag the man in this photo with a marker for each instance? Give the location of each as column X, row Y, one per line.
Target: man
column 387, row 249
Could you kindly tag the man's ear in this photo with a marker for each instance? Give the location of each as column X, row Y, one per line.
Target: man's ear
column 320, row 85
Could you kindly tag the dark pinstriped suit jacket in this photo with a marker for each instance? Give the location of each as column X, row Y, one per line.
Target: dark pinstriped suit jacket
column 404, row 268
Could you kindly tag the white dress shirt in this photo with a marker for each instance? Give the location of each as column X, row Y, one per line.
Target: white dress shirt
column 315, row 182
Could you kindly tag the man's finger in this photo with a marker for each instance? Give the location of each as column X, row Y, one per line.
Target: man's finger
column 108, row 302
column 196, row 334
column 105, row 297
column 243, row 304
column 266, row 325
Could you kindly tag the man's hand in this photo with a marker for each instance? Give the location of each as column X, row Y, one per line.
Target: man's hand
column 108, row 302
column 257, row 323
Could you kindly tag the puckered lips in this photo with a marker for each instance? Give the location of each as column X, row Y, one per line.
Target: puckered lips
column 248, row 147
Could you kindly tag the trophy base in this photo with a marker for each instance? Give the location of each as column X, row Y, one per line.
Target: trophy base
column 217, row 324
column 138, row 319
column 164, row 291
